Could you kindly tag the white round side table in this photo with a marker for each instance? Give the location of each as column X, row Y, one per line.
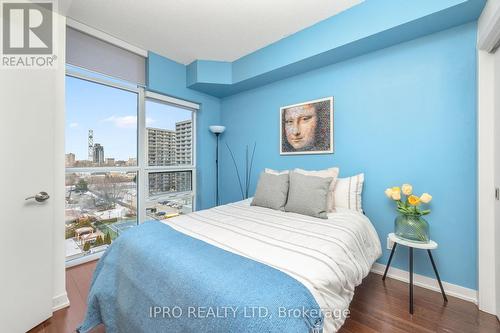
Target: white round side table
column 432, row 245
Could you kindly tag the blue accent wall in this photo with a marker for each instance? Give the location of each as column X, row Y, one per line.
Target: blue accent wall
column 366, row 27
column 406, row 113
column 169, row 77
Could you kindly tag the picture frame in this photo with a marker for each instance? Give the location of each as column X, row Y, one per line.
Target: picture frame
column 307, row 127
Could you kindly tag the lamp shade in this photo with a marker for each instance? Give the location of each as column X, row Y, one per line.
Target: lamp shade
column 217, row 129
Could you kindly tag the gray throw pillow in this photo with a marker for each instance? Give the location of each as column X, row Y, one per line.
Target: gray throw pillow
column 308, row 195
column 272, row 191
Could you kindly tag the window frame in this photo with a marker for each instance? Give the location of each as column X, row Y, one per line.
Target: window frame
column 142, row 168
column 146, row 169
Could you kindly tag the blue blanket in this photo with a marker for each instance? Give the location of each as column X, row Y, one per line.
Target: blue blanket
column 156, row 279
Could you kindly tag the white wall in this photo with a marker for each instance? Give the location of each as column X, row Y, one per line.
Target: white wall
column 496, row 89
column 486, row 182
column 488, row 29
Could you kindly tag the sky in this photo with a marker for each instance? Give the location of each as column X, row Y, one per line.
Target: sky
column 112, row 114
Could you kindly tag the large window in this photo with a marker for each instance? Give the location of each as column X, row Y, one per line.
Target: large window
column 170, row 159
column 129, row 159
column 101, row 125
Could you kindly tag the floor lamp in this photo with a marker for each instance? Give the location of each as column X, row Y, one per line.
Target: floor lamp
column 217, row 130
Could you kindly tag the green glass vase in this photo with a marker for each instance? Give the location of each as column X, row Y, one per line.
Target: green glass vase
column 412, row 227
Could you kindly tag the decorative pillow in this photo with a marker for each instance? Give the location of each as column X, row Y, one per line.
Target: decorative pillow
column 347, row 193
column 272, row 191
column 331, row 172
column 276, row 172
column 307, row 195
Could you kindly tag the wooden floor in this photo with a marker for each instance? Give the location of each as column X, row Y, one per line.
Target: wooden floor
column 376, row 307
column 78, row 280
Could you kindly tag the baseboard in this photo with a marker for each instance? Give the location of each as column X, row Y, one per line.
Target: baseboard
column 466, row 294
column 60, row 302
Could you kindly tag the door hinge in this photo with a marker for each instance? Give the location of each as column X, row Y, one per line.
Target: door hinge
column 497, row 193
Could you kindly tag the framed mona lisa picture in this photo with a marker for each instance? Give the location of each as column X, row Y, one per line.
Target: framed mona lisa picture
column 307, row 128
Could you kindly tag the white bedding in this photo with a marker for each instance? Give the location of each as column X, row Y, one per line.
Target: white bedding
column 330, row 257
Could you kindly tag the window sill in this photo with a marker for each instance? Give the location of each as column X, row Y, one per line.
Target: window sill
column 84, row 259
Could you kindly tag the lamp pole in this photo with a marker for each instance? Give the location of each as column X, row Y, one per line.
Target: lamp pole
column 217, row 170
column 217, row 130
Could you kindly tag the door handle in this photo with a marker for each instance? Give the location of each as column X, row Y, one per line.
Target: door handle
column 40, row 196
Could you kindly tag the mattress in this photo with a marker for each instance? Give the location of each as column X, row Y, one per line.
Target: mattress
column 330, row 257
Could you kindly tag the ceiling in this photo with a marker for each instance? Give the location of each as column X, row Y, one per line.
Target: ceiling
column 186, row 30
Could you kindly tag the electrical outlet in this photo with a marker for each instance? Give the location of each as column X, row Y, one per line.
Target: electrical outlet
column 390, row 244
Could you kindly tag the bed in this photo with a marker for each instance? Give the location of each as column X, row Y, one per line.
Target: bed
column 233, row 258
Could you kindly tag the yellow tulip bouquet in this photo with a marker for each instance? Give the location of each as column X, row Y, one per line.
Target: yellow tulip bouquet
column 410, row 206
column 410, row 224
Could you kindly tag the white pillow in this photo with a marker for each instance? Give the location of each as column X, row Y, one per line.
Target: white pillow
column 326, row 173
column 347, row 193
column 276, row 172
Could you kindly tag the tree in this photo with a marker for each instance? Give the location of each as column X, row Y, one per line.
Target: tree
column 99, row 241
column 86, row 246
column 107, row 238
column 82, row 186
column 110, row 188
column 70, row 233
column 83, row 221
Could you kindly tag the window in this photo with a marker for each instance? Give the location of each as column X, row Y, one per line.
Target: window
column 101, row 125
column 169, row 130
column 129, row 159
column 170, row 158
column 99, row 206
column 161, row 183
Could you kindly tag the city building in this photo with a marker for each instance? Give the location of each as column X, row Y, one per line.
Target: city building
column 173, row 181
column 70, row 159
column 83, row 164
column 98, row 154
column 183, row 153
column 161, row 147
column 110, row 161
column 132, row 161
column 161, row 182
column 183, row 142
column 165, row 148
column 161, row 152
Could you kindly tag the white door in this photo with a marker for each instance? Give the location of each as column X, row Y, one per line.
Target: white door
column 30, row 105
column 26, row 225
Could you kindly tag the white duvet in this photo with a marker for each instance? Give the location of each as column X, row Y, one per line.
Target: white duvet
column 329, row 256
